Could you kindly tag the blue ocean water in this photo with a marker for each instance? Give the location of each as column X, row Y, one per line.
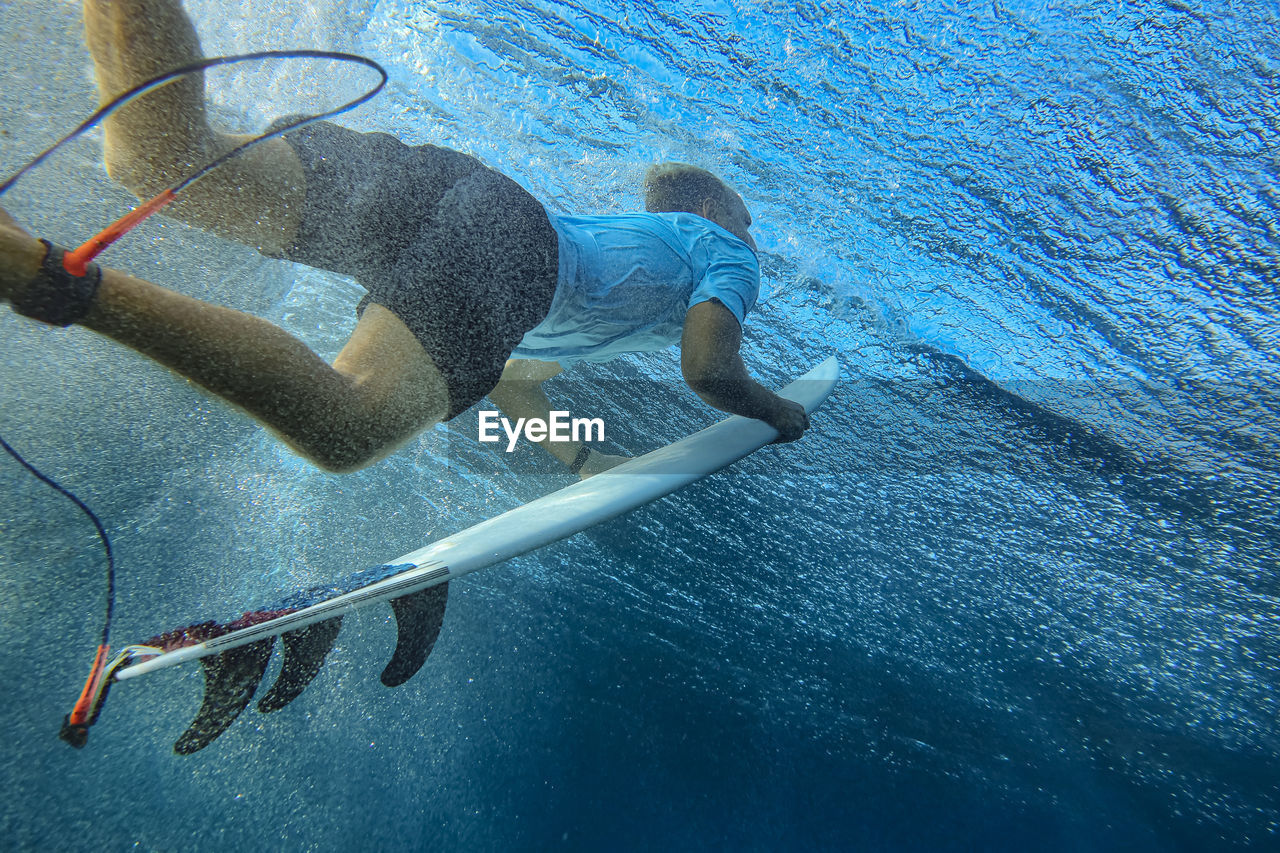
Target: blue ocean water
column 1016, row 589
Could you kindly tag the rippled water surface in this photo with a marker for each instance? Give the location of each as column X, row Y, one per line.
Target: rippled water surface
column 1016, row 589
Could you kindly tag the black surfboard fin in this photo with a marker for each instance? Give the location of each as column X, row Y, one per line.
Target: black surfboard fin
column 304, row 653
column 419, row 616
column 230, row 679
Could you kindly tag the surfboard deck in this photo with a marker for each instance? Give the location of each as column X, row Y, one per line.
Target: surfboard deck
column 236, row 653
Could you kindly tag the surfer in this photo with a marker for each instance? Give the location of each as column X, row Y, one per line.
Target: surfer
column 473, row 288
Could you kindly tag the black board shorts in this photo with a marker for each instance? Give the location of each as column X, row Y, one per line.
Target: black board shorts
column 458, row 251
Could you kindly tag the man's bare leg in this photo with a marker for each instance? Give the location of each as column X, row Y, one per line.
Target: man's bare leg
column 382, row 390
column 162, row 138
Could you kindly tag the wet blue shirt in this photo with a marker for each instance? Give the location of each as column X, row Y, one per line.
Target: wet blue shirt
column 626, row 282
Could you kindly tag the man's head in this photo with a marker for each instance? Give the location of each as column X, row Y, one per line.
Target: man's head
column 680, row 188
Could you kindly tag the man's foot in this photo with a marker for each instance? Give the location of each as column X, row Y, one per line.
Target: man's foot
column 598, row 463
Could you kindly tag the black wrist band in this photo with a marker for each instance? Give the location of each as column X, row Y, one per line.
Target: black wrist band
column 580, row 460
column 55, row 296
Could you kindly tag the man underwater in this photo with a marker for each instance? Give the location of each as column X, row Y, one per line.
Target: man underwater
column 473, row 288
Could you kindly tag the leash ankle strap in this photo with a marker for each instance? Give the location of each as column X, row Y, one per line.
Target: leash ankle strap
column 55, row 296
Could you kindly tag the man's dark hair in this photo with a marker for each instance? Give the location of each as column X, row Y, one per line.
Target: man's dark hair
column 672, row 187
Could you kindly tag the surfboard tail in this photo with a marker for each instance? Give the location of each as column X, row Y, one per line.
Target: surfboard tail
column 231, row 678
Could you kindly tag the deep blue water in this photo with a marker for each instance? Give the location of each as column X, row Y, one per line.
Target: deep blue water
column 1016, row 590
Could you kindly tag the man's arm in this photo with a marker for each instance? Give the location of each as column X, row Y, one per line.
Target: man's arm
column 163, row 137
column 519, row 395
column 713, row 368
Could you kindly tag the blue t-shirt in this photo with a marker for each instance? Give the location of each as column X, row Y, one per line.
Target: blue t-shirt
column 626, row 282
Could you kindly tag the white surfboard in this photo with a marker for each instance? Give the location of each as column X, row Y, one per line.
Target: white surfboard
column 303, row 617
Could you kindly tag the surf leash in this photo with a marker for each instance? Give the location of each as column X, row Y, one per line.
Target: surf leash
column 75, row 726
